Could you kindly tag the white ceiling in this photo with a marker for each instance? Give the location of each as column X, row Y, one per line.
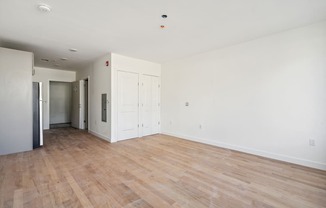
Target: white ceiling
column 132, row 27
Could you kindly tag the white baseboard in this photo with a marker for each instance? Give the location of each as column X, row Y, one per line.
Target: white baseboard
column 271, row 155
column 101, row 136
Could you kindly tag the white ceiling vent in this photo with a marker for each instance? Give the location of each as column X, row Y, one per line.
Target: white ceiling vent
column 44, row 8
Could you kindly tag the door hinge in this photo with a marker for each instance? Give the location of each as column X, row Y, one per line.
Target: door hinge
column 159, row 123
column 142, row 125
column 138, row 125
column 159, row 86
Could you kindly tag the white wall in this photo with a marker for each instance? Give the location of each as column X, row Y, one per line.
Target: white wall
column 45, row 75
column 266, row 96
column 100, row 84
column 99, row 76
column 124, row 63
column 16, row 133
column 60, row 102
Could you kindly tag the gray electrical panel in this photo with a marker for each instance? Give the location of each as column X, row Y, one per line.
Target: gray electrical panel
column 104, row 98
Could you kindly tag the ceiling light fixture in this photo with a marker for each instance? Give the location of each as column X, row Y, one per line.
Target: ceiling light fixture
column 44, row 8
column 45, row 60
column 63, row 59
column 73, row 49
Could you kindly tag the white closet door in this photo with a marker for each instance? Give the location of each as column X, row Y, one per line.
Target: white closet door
column 128, row 110
column 155, row 105
column 77, row 118
column 146, row 105
column 150, row 105
column 75, row 105
column 81, row 104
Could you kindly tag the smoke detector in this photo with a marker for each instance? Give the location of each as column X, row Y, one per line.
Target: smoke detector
column 44, row 8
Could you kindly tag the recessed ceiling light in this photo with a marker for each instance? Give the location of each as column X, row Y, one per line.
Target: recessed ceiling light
column 45, row 60
column 44, row 8
column 73, row 49
column 63, row 59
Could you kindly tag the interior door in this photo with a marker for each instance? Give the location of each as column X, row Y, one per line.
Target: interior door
column 146, row 105
column 81, row 104
column 77, row 114
column 150, row 105
column 128, row 105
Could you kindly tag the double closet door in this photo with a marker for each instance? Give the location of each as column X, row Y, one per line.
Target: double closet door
column 138, row 105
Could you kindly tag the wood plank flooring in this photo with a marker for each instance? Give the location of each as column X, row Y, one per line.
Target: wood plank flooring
column 76, row 169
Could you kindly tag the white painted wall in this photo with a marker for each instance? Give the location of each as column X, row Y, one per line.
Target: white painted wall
column 16, row 133
column 45, row 75
column 99, row 76
column 60, row 102
column 124, row 63
column 266, row 96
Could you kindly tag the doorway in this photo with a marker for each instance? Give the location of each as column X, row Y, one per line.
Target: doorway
column 60, row 104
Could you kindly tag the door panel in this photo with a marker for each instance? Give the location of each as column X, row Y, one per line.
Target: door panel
column 155, row 105
column 128, row 109
column 146, row 105
column 81, row 104
column 150, row 105
column 78, row 105
column 75, row 113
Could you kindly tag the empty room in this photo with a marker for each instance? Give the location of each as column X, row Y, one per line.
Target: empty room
column 171, row 103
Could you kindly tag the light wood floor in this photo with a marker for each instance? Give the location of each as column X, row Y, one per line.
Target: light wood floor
column 75, row 169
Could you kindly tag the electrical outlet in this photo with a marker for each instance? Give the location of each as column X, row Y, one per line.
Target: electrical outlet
column 312, row 142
